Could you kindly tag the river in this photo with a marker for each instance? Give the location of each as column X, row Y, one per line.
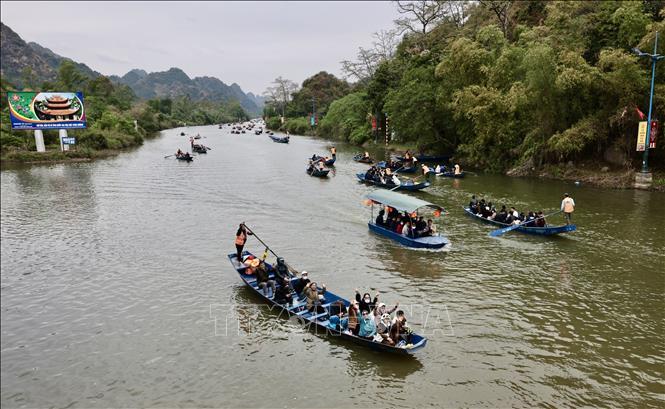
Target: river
column 116, row 290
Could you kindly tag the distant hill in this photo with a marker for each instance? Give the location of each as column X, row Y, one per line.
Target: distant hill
column 17, row 55
column 259, row 100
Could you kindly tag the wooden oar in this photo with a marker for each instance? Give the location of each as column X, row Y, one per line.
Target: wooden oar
column 499, row 232
column 270, row 250
column 168, row 156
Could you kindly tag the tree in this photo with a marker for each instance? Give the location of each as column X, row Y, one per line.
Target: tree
column 383, row 48
column 419, row 15
column 500, row 9
column 281, row 92
column 69, row 77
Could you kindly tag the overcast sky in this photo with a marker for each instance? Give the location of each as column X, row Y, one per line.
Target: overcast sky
column 249, row 43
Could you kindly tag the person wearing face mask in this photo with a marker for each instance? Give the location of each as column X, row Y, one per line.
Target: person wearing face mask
column 367, row 326
column 365, row 302
column 383, row 330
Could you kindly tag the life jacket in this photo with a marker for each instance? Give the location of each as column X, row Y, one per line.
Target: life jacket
column 240, row 239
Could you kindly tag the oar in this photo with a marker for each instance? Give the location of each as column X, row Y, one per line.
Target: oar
column 168, row 156
column 269, row 249
column 499, row 232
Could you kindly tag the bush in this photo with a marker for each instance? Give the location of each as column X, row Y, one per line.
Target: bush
column 298, row 126
column 273, row 123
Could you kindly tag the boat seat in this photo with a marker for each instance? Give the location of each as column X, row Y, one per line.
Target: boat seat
column 303, row 312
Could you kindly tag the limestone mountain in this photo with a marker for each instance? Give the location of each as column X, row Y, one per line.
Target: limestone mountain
column 18, row 56
column 23, row 62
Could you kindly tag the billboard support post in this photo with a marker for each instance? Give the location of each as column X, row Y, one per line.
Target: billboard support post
column 63, row 134
column 39, row 140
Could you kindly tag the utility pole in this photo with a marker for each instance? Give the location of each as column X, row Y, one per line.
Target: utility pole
column 644, row 178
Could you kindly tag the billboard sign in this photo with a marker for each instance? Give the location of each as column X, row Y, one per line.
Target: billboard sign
column 652, row 134
column 641, row 136
column 70, row 140
column 46, row 110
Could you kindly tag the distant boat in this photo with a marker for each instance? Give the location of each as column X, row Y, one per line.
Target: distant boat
column 278, row 139
column 398, row 167
column 538, row 231
column 404, row 185
column 319, row 173
column 329, row 162
column 428, row 158
column 362, row 159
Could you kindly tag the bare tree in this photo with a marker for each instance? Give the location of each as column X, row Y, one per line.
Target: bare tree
column 419, row 15
column 281, row 92
column 368, row 59
column 455, row 11
column 500, row 8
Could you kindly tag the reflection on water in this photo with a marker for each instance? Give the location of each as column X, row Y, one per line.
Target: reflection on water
column 116, row 271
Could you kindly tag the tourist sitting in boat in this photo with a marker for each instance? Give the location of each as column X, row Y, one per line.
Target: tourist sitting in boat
column 314, row 297
column 365, row 302
column 367, row 326
column 458, row 170
column 421, row 225
column 399, row 330
column 530, row 220
column 353, row 326
column 338, row 323
column 300, row 284
column 383, row 330
column 400, row 227
column 473, row 204
column 281, row 270
column 395, row 180
column 431, row 228
column 262, row 278
column 382, row 309
column 407, row 230
column 425, row 168
column 337, row 308
column 501, row 215
column 179, row 153
column 540, row 220
column 366, row 155
column 283, row 294
column 321, row 166
column 379, row 219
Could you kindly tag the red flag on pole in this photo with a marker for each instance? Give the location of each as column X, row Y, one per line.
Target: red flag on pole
column 640, row 113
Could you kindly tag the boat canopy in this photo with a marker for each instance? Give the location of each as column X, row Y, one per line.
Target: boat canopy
column 401, row 202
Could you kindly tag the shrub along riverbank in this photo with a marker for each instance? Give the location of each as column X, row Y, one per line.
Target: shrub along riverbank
column 117, row 120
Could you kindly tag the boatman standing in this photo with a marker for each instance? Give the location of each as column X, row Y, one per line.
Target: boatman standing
column 334, row 152
column 567, row 207
column 241, row 238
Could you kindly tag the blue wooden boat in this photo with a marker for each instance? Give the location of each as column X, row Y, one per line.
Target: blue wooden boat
column 538, row 231
column 278, row 139
column 317, row 172
column 428, row 158
column 448, row 174
column 405, row 184
column 399, row 168
column 319, row 322
column 329, row 162
column 404, row 203
column 186, row 158
column 362, row 159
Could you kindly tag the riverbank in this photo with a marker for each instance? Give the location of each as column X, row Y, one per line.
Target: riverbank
column 56, row 156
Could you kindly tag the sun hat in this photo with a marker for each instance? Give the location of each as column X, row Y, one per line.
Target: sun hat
column 304, row 273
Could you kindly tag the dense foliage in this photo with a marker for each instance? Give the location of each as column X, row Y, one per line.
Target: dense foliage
column 516, row 84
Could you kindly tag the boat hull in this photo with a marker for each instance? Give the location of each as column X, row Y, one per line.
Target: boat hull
column 429, row 242
column 406, row 187
column 537, row 231
column 319, row 324
column 279, row 140
column 318, row 173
